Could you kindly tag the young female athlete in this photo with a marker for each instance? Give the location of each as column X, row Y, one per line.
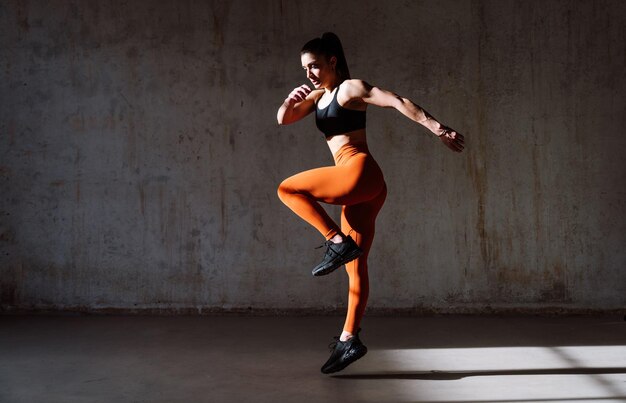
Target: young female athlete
column 355, row 182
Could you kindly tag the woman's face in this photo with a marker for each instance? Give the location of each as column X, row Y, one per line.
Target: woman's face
column 319, row 70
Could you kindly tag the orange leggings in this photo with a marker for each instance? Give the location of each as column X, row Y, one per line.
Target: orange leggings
column 357, row 183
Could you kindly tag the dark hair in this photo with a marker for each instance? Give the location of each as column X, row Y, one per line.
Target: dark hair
column 329, row 45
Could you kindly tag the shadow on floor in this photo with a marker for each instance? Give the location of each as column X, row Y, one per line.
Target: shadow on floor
column 454, row 375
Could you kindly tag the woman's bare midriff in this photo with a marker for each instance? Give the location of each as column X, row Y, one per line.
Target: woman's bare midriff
column 337, row 141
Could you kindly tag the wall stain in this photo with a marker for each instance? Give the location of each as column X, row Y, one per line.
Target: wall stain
column 220, row 20
column 7, row 236
column 142, row 199
column 77, row 191
column 9, row 294
column 556, row 284
column 11, row 132
column 477, row 158
column 537, row 192
column 77, row 121
column 223, row 215
column 131, row 140
column 22, row 15
column 5, row 171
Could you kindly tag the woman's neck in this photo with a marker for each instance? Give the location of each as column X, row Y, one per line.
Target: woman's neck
column 334, row 84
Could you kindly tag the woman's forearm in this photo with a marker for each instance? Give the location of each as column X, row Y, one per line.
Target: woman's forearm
column 419, row 115
column 284, row 113
column 292, row 108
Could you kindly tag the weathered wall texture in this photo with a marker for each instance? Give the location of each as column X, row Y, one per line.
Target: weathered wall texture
column 140, row 154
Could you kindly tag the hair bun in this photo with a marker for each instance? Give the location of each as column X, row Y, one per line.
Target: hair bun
column 331, row 39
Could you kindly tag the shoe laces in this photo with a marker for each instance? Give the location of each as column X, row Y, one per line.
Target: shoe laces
column 327, row 244
column 333, row 344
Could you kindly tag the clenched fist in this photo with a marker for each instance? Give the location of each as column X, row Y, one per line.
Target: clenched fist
column 298, row 94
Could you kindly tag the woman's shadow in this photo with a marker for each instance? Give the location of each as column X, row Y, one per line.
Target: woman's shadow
column 455, row 375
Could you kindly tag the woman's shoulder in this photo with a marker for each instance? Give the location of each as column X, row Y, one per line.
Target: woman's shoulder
column 353, row 82
column 354, row 88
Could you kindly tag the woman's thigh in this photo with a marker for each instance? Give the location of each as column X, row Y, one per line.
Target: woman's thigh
column 343, row 184
column 361, row 219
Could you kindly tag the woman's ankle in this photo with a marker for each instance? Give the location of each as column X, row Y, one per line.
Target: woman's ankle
column 338, row 238
column 345, row 336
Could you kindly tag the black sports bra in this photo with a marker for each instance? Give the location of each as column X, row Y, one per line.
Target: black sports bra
column 335, row 119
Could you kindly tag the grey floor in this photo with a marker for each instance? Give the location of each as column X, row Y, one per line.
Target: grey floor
column 277, row 359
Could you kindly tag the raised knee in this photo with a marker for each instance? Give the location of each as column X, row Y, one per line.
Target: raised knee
column 283, row 190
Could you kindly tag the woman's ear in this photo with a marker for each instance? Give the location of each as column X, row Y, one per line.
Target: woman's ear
column 333, row 62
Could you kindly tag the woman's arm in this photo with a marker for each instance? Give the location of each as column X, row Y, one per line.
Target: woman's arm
column 299, row 103
column 387, row 99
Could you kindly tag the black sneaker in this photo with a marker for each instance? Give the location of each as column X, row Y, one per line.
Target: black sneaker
column 343, row 354
column 337, row 254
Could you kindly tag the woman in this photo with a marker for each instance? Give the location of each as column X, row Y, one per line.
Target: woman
column 355, row 182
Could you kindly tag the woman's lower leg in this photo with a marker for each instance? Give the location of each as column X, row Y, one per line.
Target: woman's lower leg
column 360, row 220
column 310, row 211
column 357, row 295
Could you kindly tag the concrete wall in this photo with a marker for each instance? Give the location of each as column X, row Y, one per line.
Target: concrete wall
column 140, row 154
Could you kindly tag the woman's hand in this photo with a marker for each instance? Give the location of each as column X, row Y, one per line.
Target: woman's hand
column 298, row 94
column 297, row 105
column 453, row 140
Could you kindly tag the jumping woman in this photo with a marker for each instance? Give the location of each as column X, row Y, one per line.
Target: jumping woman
column 355, row 182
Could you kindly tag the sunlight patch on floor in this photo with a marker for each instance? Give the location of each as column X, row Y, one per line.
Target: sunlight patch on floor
column 505, row 374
